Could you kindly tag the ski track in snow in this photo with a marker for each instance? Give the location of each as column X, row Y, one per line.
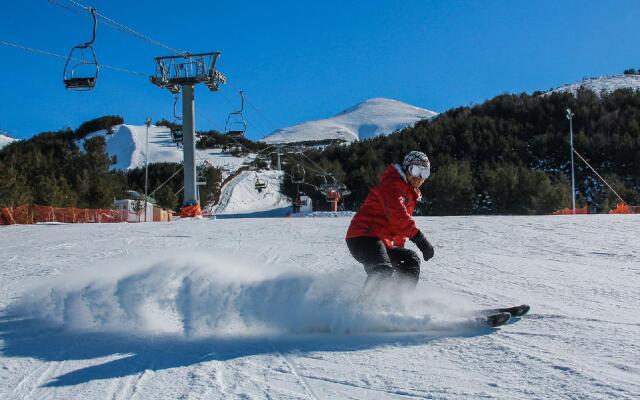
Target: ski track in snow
column 579, row 273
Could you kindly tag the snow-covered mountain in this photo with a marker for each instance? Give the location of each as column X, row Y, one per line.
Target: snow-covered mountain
column 605, row 84
column 128, row 144
column 5, row 140
column 370, row 118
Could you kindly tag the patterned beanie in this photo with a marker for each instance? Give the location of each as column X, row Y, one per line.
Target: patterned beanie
column 415, row 158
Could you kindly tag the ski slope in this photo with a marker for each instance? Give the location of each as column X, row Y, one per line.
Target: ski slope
column 263, row 308
column 239, row 196
column 365, row 120
column 128, row 144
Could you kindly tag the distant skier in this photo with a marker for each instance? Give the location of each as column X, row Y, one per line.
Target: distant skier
column 384, row 222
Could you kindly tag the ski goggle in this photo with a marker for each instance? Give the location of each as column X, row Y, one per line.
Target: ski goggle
column 420, row 171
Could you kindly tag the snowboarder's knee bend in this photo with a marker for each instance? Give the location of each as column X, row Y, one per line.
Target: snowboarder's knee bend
column 379, row 270
column 413, row 261
column 409, row 267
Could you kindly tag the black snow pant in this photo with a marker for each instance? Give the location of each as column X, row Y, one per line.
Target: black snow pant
column 379, row 261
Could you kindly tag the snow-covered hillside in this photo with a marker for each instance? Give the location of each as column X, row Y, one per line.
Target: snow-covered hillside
column 605, row 84
column 263, row 308
column 240, row 196
column 5, row 140
column 367, row 119
column 128, row 144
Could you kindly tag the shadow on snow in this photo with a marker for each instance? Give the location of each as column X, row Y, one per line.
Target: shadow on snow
column 37, row 339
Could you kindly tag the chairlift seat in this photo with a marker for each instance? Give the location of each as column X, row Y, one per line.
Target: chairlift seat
column 177, row 135
column 80, row 83
column 235, row 133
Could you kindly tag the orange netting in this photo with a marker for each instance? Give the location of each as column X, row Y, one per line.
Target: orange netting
column 570, row 211
column 33, row 214
column 622, row 208
column 191, row 211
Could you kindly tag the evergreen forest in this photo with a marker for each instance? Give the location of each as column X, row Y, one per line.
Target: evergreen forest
column 508, row 155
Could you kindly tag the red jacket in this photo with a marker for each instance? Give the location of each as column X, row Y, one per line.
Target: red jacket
column 386, row 212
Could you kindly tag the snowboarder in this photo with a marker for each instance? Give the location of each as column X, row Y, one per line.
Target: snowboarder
column 384, row 222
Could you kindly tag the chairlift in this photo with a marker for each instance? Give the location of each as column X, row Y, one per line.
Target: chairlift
column 260, row 185
column 263, row 157
column 82, row 74
column 176, row 132
column 236, row 125
column 297, row 174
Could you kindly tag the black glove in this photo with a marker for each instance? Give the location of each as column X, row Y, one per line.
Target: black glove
column 424, row 245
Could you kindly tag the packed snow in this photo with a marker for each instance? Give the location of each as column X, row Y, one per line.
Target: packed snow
column 606, row 84
column 365, row 120
column 128, row 144
column 5, row 140
column 268, row 308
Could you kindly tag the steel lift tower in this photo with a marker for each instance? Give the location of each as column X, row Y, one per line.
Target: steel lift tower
column 181, row 73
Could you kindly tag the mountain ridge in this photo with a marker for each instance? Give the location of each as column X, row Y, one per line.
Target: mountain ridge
column 369, row 118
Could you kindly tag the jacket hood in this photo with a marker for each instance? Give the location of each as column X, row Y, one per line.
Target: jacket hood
column 394, row 171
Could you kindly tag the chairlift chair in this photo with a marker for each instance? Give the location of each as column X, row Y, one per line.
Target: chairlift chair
column 236, row 125
column 297, row 174
column 260, row 185
column 263, row 157
column 82, row 74
column 176, row 133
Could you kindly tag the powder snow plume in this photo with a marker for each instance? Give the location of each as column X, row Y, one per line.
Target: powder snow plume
column 203, row 295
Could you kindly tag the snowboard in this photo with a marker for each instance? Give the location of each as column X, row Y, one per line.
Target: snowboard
column 494, row 320
column 516, row 311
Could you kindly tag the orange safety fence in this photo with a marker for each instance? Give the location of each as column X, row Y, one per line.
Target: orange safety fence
column 32, row 214
column 193, row 210
column 622, row 208
column 570, row 211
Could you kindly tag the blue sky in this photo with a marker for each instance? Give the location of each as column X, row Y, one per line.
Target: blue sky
column 301, row 60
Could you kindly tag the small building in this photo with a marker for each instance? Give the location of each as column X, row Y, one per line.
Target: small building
column 134, row 210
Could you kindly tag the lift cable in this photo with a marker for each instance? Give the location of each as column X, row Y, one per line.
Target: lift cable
column 73, row 10
column 50, row 54
column 316, row 164
column 598, row 175
column 120, row 27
